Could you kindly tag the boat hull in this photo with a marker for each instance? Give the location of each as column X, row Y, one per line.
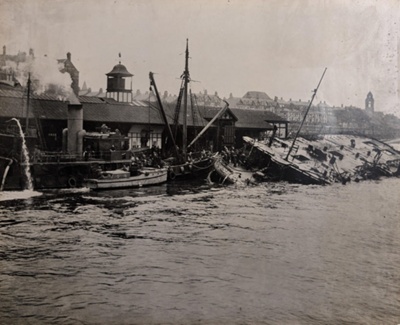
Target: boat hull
column 189, row 170
column 148, row 176
column 231, row 175
column 332, row 158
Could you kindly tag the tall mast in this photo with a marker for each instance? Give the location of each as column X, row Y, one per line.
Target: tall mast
column 186, row 79
column 305, row 116
column 163, row 115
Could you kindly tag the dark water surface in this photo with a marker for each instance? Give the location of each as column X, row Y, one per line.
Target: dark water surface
column 193, row 254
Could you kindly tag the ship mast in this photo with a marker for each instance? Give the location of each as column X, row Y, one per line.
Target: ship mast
column 163, row 115
column 186, row 79
column 305, row 116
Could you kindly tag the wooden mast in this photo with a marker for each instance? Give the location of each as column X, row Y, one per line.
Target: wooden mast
column 186, row 79
column 217, row 116
column 163, row 115
column 305, row 116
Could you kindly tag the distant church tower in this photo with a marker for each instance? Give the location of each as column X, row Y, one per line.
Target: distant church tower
column 369, row 103
column 116, row 84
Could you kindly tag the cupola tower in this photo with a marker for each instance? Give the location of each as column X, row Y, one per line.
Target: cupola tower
column 116, row 84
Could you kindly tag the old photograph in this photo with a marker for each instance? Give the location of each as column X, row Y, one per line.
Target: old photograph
column 199, row 162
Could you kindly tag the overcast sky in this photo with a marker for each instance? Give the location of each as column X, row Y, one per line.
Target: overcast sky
column 279, row 47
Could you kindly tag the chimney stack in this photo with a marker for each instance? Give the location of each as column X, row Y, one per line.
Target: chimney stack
column 75, row 126
column 4, row 50
column 69, row 56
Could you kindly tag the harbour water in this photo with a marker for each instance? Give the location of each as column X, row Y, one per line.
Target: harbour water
column 274, row 253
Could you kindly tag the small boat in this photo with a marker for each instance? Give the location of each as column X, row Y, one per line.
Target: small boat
column 121, row 178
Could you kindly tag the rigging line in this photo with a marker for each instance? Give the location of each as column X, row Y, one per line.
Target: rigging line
column 198, row 111
column 148, row 127
column 192, row 107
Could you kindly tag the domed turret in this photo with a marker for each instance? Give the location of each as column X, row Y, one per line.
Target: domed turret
column 116, row 84
column 119, row 70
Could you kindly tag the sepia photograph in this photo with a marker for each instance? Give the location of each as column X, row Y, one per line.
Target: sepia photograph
column 199, row 162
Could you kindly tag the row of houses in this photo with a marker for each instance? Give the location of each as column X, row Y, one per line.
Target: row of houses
column 321, row 119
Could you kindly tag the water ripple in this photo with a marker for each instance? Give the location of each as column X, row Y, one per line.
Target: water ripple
column 192, row 254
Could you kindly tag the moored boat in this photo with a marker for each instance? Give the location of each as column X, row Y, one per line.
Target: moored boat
column 197, row 166
column 121, row 178
column 182, row 163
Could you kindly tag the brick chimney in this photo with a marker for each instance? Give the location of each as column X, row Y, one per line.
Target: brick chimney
column 73, row 72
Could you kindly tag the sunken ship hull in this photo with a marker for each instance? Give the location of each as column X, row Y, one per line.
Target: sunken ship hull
column 330, row 159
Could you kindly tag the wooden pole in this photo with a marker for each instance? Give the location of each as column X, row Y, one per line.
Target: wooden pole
column 305, row 116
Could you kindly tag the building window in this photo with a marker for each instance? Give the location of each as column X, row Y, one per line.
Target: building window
column 145, row 139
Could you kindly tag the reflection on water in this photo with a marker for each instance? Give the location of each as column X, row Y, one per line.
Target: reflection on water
column 194, row 254
column 18, row 195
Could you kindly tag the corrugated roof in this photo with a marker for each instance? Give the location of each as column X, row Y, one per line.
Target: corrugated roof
column 139, row 103
column 12, row 92
column 108, row 110
column 50, row 109
column 252, row 118
column 12, row 107
column 210, row 112
column 120, row 113
column 87, row 99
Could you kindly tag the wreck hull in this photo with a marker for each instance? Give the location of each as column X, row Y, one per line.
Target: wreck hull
column 332, row 158
column 231, row 174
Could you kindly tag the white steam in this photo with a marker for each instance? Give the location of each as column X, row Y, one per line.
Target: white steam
column 45, row 73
